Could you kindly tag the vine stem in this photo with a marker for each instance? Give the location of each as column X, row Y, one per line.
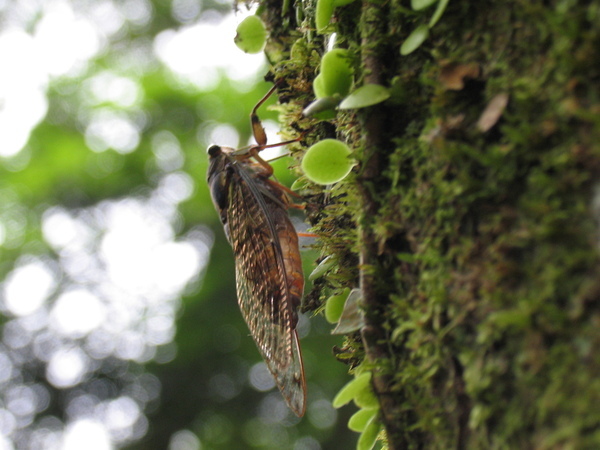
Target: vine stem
column 373, row 31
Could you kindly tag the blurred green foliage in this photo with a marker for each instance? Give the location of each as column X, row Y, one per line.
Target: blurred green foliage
column 213, row 347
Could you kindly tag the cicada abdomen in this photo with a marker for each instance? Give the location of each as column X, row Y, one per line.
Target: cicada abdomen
column 269, row 279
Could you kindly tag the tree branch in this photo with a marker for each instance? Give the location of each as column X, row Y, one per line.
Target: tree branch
column 373, row 29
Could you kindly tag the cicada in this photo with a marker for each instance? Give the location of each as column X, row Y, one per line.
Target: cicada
column 268, row 268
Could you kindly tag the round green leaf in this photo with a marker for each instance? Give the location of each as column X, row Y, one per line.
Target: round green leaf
column 352, row 318
column 367, row 95
column 337, row 3
column 360, row 419
column 336, row 73
column 322, row 268
column 299, row 184
column 319, row 86
column 418, row 5
column 351, row 389
column 335, row 306
column 414, row 40
column 367, row 439
column 251, row 35
column 323, row 15
column 366, row 398
column 327, row 162
column 320, row 105
column 441, row 7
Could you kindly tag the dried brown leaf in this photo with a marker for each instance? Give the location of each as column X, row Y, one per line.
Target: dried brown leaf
column 453, row 75
column 492, row 113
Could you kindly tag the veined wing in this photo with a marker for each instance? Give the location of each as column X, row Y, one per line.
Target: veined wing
column 256, row 220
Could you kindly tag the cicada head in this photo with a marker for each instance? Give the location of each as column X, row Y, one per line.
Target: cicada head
column 216, row 160
column 218, row 179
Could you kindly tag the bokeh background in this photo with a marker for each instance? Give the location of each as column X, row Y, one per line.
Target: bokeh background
column 119, row 323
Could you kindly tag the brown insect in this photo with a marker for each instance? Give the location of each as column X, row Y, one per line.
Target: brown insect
column 269, row 279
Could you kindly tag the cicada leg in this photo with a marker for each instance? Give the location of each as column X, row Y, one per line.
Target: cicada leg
column 260, row 136
column 257, row 129
column 261, row 140
column 287, row 190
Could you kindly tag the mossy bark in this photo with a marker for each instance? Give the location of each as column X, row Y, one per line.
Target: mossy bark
column 471, row 221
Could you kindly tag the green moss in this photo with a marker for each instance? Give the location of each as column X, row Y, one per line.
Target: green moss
column 486, row 260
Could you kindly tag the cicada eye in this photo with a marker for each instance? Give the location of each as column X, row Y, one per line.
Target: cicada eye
column 213, row 150
column 219, row 190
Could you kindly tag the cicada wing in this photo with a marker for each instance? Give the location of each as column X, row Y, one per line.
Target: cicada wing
column 263, row 293
column 277, row 341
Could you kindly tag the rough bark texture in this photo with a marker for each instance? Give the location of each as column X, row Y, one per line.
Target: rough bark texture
column 471, row 221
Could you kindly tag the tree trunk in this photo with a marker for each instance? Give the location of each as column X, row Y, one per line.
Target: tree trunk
column 471, row 220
